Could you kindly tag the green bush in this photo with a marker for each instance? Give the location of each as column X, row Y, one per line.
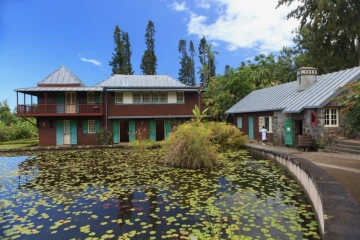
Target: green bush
column 17, row 130
column 225, row 135
column 104, row 137
column 190, row 147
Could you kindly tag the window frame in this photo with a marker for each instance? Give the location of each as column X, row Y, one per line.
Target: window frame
column 270, row 130
column 182, row 95
column 122, row 97
column 330, row 114
column 140, row 97
column 87, row 97
column 94, row 122
column 166, row 94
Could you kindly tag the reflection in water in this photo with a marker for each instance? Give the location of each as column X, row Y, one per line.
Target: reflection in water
column 110, row 193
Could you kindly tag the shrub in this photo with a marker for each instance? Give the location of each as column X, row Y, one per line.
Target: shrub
column 190, row 147
column 226, row 136
column 104, row 137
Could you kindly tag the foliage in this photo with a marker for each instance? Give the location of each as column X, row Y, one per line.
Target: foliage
column 329, row 33
column 21, row 143
column 149, row 60
column 192, row 78
column 5, row 114
column 104, row 137
column 199, row 116
column 121, row 59
column 190, row 147
column 143, row 144
column 20, row 129
column 207, row 61
column 226, row 136
column 349, row 99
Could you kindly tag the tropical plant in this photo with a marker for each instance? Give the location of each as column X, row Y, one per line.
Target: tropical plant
column 199, row 116
column 226, row 136
column 149, row 60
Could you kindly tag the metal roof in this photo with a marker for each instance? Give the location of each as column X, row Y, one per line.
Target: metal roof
column 141, row 117
column 287, row 98
column 177, row 89
column 59, row 89
column 128, row 81
column 62, row 76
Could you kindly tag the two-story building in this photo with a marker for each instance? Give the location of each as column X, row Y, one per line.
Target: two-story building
column 70, row 113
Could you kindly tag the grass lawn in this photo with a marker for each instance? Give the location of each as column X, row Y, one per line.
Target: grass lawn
column 21, row 143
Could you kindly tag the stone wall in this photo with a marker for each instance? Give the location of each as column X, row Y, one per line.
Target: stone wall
column 278, row 128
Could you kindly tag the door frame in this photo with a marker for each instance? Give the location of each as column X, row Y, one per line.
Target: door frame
column 70, row 107
column 251, row 134
column 67, row 137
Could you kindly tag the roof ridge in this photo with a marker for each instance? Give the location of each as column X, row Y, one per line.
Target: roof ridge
column 65, row 69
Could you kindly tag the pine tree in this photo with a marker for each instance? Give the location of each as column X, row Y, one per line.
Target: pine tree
column 211, row 60
column 127, row 53
column 203, row 56
column 148, row 60
column 192, row 79
column 184, row 59
column 117, row 62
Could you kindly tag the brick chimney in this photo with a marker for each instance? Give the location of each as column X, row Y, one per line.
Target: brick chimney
column 305, row 77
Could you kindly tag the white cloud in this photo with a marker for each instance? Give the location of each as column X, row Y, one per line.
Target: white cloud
column 252, row 24
column 215, row 44
column 93, row 61
column 179, row 7
column 203, row 4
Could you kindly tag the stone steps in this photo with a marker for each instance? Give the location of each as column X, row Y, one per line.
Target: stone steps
column 345, row 146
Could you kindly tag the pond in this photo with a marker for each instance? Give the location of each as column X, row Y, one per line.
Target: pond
column 124, row 194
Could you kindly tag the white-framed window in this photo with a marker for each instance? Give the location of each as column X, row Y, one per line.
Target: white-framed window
column 90, row 97
column 146, row 97
column 331, row 117
column 267, row 122
column 119, row 97
column 91, row 126
column 180, row 97
column 163, row 97
column 155, row 97
column 137, row 97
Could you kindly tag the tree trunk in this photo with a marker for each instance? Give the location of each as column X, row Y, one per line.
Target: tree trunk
column 358, row 51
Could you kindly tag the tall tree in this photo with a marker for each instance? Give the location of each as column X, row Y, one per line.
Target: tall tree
column 203, row 56
column 211, row 60
column 329, row 33
column 118, row 59
column 184, row 62
column 192, row 78
column 148, row 60
column 127, row 53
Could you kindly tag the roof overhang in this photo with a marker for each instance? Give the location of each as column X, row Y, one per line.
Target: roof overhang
column 153, row 89
column 152, row 117
column 253, row 111
column 59, row 89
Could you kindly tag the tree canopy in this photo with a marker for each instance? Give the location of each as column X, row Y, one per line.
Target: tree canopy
column 149, row 60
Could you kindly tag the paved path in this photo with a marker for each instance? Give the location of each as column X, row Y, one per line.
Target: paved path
column 345, row 168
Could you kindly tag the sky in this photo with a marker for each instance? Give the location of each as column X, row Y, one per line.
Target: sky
column 39, row 36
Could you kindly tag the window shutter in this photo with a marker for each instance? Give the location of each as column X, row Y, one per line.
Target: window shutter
column 85, row 126
column 97, row 97
column 270, row 124
column 261, row 123
column 239, row 122
column 97, row 126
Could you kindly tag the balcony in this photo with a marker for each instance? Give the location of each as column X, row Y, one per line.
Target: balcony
column 36, row 110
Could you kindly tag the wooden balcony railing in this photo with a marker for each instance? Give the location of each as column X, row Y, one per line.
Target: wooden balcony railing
column 34, row 110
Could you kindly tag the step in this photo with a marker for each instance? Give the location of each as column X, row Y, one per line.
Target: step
column 349, row 143
column 352, row 147
column 343, row 150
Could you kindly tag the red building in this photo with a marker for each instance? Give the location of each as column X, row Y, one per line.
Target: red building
column 70, row 113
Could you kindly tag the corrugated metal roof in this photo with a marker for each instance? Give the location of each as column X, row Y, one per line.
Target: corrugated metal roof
column 59, row 89
column 286, row 97
column 62, row 76
column 126, row 81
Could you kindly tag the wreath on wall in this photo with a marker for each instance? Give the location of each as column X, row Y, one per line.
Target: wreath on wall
column 313, row 118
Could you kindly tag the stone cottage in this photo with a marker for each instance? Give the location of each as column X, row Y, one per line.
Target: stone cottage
column 301, row 107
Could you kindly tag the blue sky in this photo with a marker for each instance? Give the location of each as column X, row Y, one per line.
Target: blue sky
column 37, row 37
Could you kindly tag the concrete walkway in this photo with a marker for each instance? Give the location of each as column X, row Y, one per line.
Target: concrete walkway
column 345, row 168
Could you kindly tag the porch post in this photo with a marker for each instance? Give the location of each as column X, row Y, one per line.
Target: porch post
column 31, row 100
column 24, row 99
column 17, row 100
column 45, row 97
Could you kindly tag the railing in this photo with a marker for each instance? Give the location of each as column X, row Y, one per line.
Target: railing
column 59, row 110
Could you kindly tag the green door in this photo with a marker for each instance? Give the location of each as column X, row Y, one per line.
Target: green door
column 251, row 127
column 59, row 132
column 116, row 132
column 289, row 132
column 132, row 131
column 167, row 128
column 73, row 132
column 152, row 130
